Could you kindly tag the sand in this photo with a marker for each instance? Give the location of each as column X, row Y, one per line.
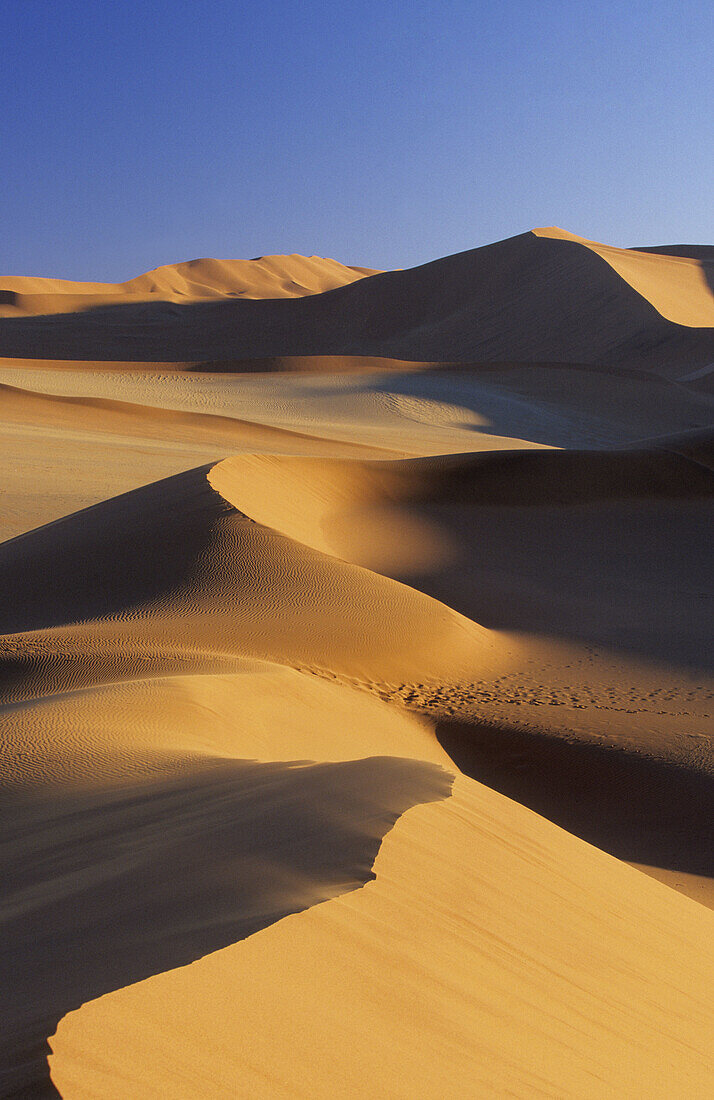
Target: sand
column 197, row 280
column 533, row 298
column 356, row 689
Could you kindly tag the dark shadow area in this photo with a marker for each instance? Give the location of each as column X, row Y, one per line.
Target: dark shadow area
column 637, row 808
column 609, row 548
column 527, row 298
column 702, row 252
column 104, row 888
column 108, row 558
column 676, row 468
column 634, row 577
column 708, row 267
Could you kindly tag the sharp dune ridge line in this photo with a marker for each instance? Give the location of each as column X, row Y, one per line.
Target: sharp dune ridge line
column 355, row 662
column 678, row 286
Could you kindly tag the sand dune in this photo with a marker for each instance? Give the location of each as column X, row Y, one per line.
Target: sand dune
column 531, row 298
column 355, row 662
column 679, row 287
column 209, row 583
column 112, row 431
column 196, row 280
column 514, row 541
column 495, row 938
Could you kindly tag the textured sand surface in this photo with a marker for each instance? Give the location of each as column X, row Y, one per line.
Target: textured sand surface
column 357, row 678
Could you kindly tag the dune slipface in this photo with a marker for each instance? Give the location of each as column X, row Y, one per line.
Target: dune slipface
column 355, row 663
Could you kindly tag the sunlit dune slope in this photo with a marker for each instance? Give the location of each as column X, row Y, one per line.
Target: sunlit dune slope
column 680, row 287
column 523, row 961
column 531, row 298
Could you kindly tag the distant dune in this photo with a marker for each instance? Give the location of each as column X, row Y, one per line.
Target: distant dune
column 356, row 660
column 194, row 281
column 544, row 296
column 702, row 252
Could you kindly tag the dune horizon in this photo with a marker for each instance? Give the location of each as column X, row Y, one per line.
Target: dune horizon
column 357, row 677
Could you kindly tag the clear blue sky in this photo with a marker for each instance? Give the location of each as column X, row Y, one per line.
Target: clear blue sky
column 380, row 133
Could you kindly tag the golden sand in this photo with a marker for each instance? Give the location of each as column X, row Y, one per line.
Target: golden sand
column 356, row 685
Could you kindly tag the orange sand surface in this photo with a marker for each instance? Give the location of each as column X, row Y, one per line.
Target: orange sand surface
column 356, row 678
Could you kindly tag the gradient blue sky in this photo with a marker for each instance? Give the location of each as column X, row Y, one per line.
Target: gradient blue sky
column 380, row 133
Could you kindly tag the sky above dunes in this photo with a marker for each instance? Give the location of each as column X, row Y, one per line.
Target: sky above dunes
column 380, row 133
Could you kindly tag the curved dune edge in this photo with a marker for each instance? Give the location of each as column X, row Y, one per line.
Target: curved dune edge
column 514, row 539
column 210, row 584
column 372, row 512
column 680, row 288
column 526, row 961
column 158, row 822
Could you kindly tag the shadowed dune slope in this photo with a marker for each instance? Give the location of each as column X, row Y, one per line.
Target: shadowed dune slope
column 680, row 287
column 702, row 252
column 531, row 298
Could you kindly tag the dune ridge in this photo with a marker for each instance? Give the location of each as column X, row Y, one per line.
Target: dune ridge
column 118, row 636
column 678, row 286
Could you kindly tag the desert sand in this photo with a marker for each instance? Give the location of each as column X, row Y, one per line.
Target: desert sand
column 357, row 678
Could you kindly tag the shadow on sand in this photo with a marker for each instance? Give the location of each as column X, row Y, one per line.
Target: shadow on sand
column 637, row 808
column 103, row 888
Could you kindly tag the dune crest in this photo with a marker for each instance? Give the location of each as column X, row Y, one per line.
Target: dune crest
column 681, row 288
